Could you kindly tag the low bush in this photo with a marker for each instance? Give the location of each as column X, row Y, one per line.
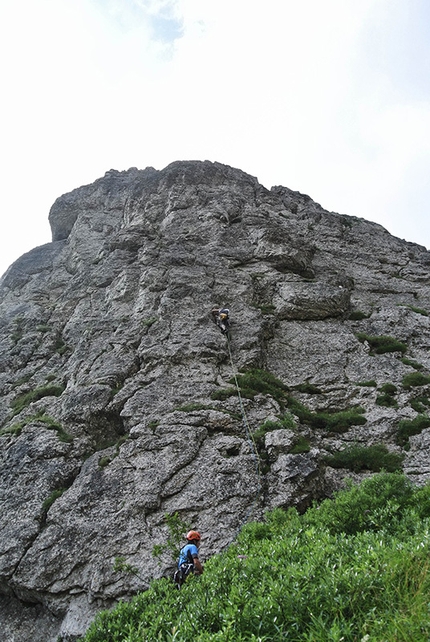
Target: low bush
column 251, row 383
column 49, row 422
column 302, row 445
column 387, row 398
column 420, row 404
column 382, row 344
column 353, row 568
column 308, row 388
column 358, row 315
column 412, row 363
column 374, row 458
column 368, row 384
column 409, row 427
column 418, row 310
column 338, row 422
column 24, row 400
column 415, row 379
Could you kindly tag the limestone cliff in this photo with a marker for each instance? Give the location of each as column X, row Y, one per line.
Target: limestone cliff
column 117, row 402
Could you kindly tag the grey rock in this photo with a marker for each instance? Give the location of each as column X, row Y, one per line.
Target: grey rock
column 112, row 374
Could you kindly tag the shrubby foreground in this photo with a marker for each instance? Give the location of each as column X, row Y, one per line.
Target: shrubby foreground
column 355, row 568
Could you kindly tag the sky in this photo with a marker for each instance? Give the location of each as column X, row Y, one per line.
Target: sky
column 327, row 97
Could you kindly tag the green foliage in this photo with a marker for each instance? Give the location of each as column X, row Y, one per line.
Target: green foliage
column 251, row 383
column 420, row 404
column 121, row 566
column 415, row 379
column 104, row 461
column 418, row 310
column 24, row 400
column 338, row 422
column 267, row 308
column 223, row 394
column 412, row 363
column 60, row 346
column 358, row 315
column 355, row 568
column 51, row 499
column 177, row 529
column 107, row 459
column 49, row 422
column 301, row 446
column 308, row 388
column 286, row 421
column 148, row 322
column 381, row 344
column 256, row 381
column 387, row 398
column 388, row 389
column 374, row 458
column 409, row 427
column 367, row 384
column 43, row 327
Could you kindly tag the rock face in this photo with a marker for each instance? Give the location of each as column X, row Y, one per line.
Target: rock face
column 115, row 403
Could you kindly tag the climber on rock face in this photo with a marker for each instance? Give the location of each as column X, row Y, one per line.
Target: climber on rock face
column 221, row 318
column 188, row 561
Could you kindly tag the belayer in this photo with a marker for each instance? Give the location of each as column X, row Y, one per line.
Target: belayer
column 188, row 561
column 221, row 318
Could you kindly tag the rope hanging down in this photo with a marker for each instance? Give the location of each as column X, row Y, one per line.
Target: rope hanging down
column 248, row 434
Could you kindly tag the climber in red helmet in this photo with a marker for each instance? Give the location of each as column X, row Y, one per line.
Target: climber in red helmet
column 188, row 561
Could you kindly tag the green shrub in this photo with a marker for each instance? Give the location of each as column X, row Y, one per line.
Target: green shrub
column 49, row 422
column 60, row 346
column 302, row 445
column 386, row 400
column 388, row 389
column 374, row 458
column 354, row 568
column 420, row 404
column 382, row 344
column 149, row 322
column 267, row 308
column 286, row 421
column 104, row 461
column 338, row 422
column 418, row 310
column 413, row 364
column 356, row 509
column 308, row 388
column 358, row 315
column 409, row 427
column 251, row 383
column 51, row 499
column 415, row 379
column 24, row 400
column 223, row 393
column 368, row 384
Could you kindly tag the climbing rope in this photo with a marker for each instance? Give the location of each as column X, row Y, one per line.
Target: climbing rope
column 249, row 436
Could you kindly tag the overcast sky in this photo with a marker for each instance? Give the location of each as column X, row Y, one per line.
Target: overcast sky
column 328, row 97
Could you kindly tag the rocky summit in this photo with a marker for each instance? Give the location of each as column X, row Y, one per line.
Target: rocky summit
column 121, row 400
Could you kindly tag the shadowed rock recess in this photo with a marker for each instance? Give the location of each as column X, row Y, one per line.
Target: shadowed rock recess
column 117, row 390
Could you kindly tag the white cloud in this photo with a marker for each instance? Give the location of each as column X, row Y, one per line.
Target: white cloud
column 330, row 98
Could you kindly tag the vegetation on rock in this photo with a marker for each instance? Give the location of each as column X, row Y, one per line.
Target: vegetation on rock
column 353, row 568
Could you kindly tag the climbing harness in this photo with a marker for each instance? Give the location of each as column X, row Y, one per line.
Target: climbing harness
column 220, row 317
